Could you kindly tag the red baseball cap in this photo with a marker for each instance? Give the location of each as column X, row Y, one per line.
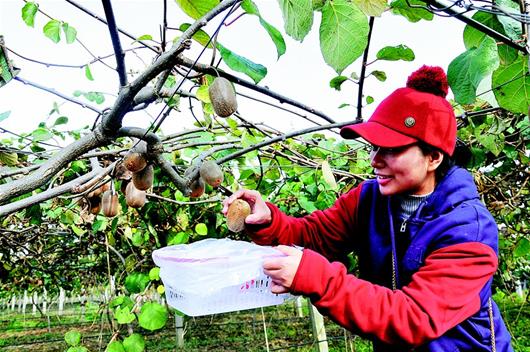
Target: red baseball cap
column 418, row 112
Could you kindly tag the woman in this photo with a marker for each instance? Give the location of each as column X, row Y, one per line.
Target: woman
column 426, row 245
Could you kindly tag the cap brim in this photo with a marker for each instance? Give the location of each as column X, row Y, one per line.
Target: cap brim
column 376, row 134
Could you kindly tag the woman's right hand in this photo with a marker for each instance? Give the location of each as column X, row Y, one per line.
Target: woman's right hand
column 260, row 213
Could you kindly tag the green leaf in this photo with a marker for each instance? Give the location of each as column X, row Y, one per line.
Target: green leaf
column 203, row 95
column 41, row 134
column 306, row 204
column 373, row 8
column 336, row 82
column 468, row 69
column 123, row 315
column 491, row 142
column 343, row 34
column 201, row 229
column 115, row 346
column 380, row 75
column 28, row 13
column 72, row 337
column 99, row 225
column 297, row 17
column 52, row 30
column 154, row 274
column 178, row 238
column 137, row 239
column 8, row 159
column 136, row 282
column 62, row 120
column 4, row 115
column 196, row 8
column 511, row 26
column 145, row 37
column 513, row 82
column 473, row 37
column 134, row 343
column 88, row 73
column 369, row 99
column 200, row 36
column 241, row 64
column 328, row 175
column 153, row 316
column 413, row 14
column 522, row 249
column 394, row 53
column 274, row 33
column 70, row 33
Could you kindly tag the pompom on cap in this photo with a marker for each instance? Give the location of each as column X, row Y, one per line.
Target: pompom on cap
column 429, row 79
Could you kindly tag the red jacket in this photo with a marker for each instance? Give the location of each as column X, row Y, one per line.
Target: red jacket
column 443, row 265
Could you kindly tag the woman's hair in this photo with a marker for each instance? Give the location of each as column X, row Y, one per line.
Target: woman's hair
column 461, row 157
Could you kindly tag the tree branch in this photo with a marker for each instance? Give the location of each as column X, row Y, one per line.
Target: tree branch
column 46, row 171
column 363, row 73
column 48, row 194
column 282, row 99
column 61, row 95
column 116, row 44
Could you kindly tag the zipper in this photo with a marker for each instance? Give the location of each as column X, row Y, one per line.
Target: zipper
column 403, row 227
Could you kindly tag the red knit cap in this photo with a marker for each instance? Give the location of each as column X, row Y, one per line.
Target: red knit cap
column 418, row 112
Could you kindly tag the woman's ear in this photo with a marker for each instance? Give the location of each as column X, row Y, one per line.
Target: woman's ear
column 435, row 159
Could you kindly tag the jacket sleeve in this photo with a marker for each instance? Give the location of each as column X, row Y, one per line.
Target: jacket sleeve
column 327, row 232
column 443, row 293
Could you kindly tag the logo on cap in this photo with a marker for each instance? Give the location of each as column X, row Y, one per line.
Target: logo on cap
column 410, row 121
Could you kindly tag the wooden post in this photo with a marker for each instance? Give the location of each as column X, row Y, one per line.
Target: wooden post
column 61, row 300
column 179, row 326
column 319, row 330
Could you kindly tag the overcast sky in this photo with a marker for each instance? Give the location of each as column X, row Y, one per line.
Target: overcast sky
column 300, row 74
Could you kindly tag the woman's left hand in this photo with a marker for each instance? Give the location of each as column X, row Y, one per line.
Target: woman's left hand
column 283, row 269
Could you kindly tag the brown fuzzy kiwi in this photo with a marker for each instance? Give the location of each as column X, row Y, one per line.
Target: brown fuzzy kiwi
column 135, row 161
column 211, row 173
column 223, row 97
column 143, row 180
column 109, row 204
column 236, row 215
column 134, row 197
column 197, row 188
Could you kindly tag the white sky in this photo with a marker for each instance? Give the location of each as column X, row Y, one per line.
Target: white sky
column 300, row 73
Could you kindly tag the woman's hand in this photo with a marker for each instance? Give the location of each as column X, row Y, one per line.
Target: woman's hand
column 283, row 269
column 260, row 213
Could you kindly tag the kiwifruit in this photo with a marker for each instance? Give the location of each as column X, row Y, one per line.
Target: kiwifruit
column 223, row 97
column 211, row 173
column 135, row 161
column 236, row 215
column 197, row 188
column 143, row 180
column 109, row 203
column 134, row 197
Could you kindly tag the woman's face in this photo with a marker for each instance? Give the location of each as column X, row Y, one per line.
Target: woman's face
column 405, row 170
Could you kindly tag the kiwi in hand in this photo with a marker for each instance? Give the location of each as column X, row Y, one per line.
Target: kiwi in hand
column 143, row 180
column 236, row 215
column 211, row 173
column 223, row 97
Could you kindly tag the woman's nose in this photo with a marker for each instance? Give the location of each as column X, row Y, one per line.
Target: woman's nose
column 376, row 160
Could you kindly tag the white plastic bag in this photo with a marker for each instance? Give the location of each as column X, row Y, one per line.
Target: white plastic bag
column 216, row 275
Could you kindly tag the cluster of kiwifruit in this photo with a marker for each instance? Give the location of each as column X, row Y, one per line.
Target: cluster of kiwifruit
column 223, row 97
column 139, row 178
column 209, row 173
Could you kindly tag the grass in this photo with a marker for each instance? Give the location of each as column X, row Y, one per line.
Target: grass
column 238, row 331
